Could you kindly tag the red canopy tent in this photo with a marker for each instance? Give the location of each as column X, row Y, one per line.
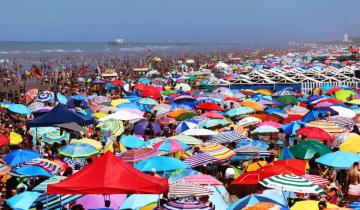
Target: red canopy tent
column 109, row 175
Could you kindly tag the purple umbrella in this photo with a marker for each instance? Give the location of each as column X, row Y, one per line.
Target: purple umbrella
column 98, row 82
column 97, row 201
column 140, row 127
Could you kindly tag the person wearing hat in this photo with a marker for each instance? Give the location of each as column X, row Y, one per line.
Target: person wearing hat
column 331, row 194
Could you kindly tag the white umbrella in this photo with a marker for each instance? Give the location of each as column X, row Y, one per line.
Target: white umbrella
column 121, row 115
column 247, row 121
column 152, row 72
column 199, row 132
column 344, row 112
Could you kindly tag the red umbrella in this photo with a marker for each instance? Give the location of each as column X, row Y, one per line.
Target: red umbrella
column 315, row 133
column 213, row 115
column 232, row 99
column 210, row 106
column 151, row 92
column 293, row 117
column 139, row 86
column 4, row 140
column 118, row 82
column 333, row 90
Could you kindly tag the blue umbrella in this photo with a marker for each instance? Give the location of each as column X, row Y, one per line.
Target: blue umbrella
column 253, row 199
column 141, row 126
column 239, row 111
column 274, row 110
column 33, row 171
column 61, row 98
column 132, row 142
column 286, row 154
column 137, row 201
column 313, row 115
column 20, row 156
column 19, row 109
column 255, row 143
column 292, row 127
column 161, row 163
column 185, row 125
column 23, row 200
column 265, row 129
column 132, row 105
column 338, row 159
column 132, row 98
column 259, row 97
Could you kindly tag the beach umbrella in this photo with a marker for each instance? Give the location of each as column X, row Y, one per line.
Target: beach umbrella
column 53, row 136
column 4, row 169
column 306, row 149
column 45, row 96
column 286, row 100
column 209, row 106
column 311, row 205
column 23, row 200
column 252, row 199
column 15, row 138
column 48, row 165
column 115, row 127
column 199, row 132
column 119, row 101
column 227, row 136
column 42, row 187
column 351, row 144
column 186, row 116
column 171, row 145
column 185, row 125
column 61, row 98
column 31, row 95
column 313, row 115
column 54, row 201
column 136, row 201
column 178, row 112
column 185, row 204
column 121, row 115
column 213, row 115
column 252, row 104
column 344, row 95
column 20, row 156
column 292, row 118
column 161, row 163
column 338, row 159
column 264, row 92
column 315, row 133
column 252, row 150
column 265, row 129
column 270, row 123
column 151, row 92
column 147, row 101
column 137, row 155
column 92, row 142
column 190, row 140
column 183, row 98
column 99, row 114
column 286, row 154
column 30, row 170
column 141, row 126
column 344, row 112
column 218, row 151
column 78, row 150
column 19, row 109
column 184, row 189
column 200, row 159
column 284, row 92
column 292, row 127
column 34, row 106
column 214, row 123
column 132, row 142
column 239, row 111
column 183, row 87
column 291, row 183
column 248, row 121
column 317, row 180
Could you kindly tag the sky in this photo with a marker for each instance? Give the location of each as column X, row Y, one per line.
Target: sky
column 240, row 21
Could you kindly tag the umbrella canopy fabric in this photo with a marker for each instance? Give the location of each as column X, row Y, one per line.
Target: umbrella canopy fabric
column 185, row 189
column 252, row 150
column 190, row 205
column 239, row 111
column 92, row 142
column 227, row 136
column 209, row 106
column 147, row 101
column 252, row 104
column 137, row 201
column 161, row 163
column 317, row 180
column 137, row 155
column 48, row 165
column 200, row 159
column 306, row 149
column 343, row 112
column 338, row 159
column 291, row 183
column 202, row 179
column 252, row 199
column 94, row 179
column 292, row 127
column 42, row 187
column 20, row 156
column 31, row 95
column 218, row 151
column 53, row 136
column 265, row 129
column 248, row 121
column 199, row 132
column 132, row 142
column 214, row 123
column 311, row 205
column 185, row 125
column 183, row 87
column 286, row 154
column 121, row 115
column 190, row 140
column 270, row 123
column 315, row 133
column 115, row 127
column 78, row 150
column 171, row 145
column 97, row 201
column 19, row 109
column 30, row 170
column 351, row 144
column 23, row 200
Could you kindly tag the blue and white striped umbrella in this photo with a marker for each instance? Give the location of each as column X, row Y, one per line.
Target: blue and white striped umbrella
column 256, row 143
column 228, row 136
column 185, row 125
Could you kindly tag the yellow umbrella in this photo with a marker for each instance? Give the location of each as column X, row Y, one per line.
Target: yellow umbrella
column 99, row 114
column 355, row 101
column 92, row 142
column 255, row 166
column 15, row 138
column 150, row 206
column 264, row 91
column 252, row 104
column 119, row 101
column 351, row 144
column 310, row 205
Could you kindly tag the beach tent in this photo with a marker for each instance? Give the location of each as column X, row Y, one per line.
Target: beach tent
column 109, row 175
column 59, row 115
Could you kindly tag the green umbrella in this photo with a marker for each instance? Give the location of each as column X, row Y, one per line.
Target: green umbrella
column 286, row 100
column 186, row 116
column 344, row 95
column 168, row 92
column 306, row 149
column 116, row 127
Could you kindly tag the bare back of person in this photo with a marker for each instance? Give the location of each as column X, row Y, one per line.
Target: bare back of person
column 354, row 176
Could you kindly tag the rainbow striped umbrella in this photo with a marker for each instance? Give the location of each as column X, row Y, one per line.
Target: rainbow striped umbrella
column 92, row 142
column 78, row 150
column 45, row 164
column 217, row 151
column 53, row 136
column 137, row 155
column 42, row 187
column 4, row 169
column 200, row 159
column 190, row 140
column 31, row 95
column 171, row 145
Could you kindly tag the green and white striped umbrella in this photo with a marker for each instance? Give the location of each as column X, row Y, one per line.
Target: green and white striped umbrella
column 291, row 183
column 116, row 127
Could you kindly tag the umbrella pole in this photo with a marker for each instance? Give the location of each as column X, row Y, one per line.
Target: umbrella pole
column 60, row 200
column 158, row 202
column 286, row 200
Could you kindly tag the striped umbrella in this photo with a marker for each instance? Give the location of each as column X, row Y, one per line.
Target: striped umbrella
column 78, row 150
column 202, row 179
column 265, row 129
column 190, row 140
column 343, row 122
column 42, row 187
column 136, row 155
column 185, row 189
column 53, row 136
column 75, row 161
column 228, row 136
column 177, row 176
column 217, row 151
column 4, row 169
column 97, row 144
column 31, row 95
column 252, row 150
column 200, row 159
column 256, row 143
column 150, row 143
column 248, row 121
column 45, row 164
column 116, row 127
column 54, row 201
column 190, row 205
column 317, row 180
column 45, row 96
column 291, row 183
column 34, row 106
column 171, row 145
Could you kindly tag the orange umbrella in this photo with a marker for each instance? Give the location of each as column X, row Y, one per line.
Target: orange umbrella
column 178, row 112
column 264, row 91
column 252, row 104
column 265, row 117
column 248, row 92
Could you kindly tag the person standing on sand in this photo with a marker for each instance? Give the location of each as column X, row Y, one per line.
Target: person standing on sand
column 353, row 181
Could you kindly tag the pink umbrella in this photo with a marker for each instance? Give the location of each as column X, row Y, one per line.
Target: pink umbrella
column 213, row 115
column 170, row 145
column 97, row 201
column 202, row 179
column 270, row 123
